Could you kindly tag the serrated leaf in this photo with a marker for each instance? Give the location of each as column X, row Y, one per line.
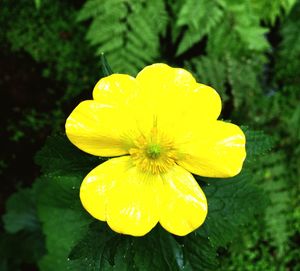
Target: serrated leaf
column 103, row 249
column 63, row 218
column 161, row 246
column 199, row 253
column 59, row 155
column 232, row 203
column 257, row 144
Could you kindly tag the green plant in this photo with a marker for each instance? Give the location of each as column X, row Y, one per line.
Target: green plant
column 249, row 51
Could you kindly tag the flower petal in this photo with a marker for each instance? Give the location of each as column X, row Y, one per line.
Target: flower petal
column 116, row 89
column 99, row 182
column 185, row 207
column 214, row 149
column 118, row 193
column 159, row 77
column 174, row 97
column 133, row 205
column 100, row 129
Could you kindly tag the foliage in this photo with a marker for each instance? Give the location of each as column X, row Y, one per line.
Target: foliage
column 248, row 50
column 50, row 36
column 24, row 242
column 119, row 27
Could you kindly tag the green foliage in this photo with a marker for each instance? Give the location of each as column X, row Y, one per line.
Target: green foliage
column 59, row 207
column 271, row 10
column 38, row 3
column 21, row 212
column 24, row 241
column 277, row 216
column 102, row 249
column 196, row 18
column 50, row 36
column 247, row 50
column 240, row 31
column 235, row 79
column 128, row 33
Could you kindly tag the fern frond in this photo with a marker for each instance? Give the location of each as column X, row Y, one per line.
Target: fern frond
column 230, row 76
column 275, row 175
column 210, row 71
column 127, row 32
column 270, row 10
column 289, row 50
column 240, row 31
column 197, row 17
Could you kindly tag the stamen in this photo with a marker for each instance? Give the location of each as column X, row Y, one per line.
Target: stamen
column 153, row 151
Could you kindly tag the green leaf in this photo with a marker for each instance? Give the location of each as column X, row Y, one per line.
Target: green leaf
column 105, row 68
column 258, row 144
column 269, row 11
column 161, row 246
column 59, row 208
column 24, row 241
column 60, row 156
column 199, row 253
column 103, row 249
column 197, row 17
column 278, row 212
column 64, row 219
column 240, row 32
column 127, row 32
column 21, row 212
column 232, row 76
column 91, row 254
column 232, row 203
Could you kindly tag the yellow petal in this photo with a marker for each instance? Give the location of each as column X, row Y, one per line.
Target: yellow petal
column 98, row 183
column 100, row 129
column 118, row 193
column 161, row 85
column 116, row 89
column 215, row 149
column 175, row 99
column 184, row 207
column 133, row 205
column 205, row 101
column 159, row 77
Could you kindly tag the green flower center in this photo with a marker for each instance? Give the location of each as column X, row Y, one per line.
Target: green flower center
column 153, row 151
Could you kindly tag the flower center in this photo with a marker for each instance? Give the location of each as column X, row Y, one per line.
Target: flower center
column 154, row 153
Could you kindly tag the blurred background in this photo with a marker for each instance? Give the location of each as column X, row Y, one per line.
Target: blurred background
column 249, row 51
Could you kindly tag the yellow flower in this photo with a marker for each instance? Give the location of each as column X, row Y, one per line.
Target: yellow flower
column 162, row 126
